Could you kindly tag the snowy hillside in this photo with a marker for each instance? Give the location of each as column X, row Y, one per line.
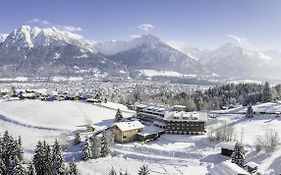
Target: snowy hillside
column 170, row 154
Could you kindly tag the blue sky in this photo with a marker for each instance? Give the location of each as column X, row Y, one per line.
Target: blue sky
column 200, row 23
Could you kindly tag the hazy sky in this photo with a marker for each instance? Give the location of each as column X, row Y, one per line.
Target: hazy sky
column 200, row 23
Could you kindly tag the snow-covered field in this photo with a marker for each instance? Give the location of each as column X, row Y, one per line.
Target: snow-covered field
column 171, row 154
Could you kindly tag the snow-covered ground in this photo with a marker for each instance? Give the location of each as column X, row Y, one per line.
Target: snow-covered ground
column 171, row 154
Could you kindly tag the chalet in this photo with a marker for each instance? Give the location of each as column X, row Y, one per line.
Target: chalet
column 172, row 121
column 126, row 131
column 252, row 167
column 227, row 148
column 227, row 168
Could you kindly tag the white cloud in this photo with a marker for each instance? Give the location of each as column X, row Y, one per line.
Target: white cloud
column 239, row 40
column 179, row 45
column 133, row 36
column 70, row 28
column 39, row 21
column 46, row 23
column 145, row 27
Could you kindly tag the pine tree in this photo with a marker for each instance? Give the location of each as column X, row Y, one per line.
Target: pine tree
column 73, row 169
column 238, row 155
column 112, row 172
column 95, row 146
column 249, row 112
column 38, row 158
column 58, row 166
column 19, row 149
column 144, row 170
column 2, row 167
column 105, row 150
column 118, row 116
column 266, row 94
column 86, row 152
column 47, row 158
column 77, row 139
column 30, row 170
column 16, row 167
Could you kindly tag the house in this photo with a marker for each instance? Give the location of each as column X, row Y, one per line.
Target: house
column 174, row 122
column 126, row 131
column 227, row 168
column 252, row 167
column 227, row 148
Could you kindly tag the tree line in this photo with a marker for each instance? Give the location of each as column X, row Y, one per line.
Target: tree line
column 213, row 98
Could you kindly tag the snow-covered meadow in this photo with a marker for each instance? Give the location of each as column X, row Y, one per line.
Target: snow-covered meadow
column 36, row 120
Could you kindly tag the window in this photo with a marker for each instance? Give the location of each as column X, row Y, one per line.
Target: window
column 124, row 137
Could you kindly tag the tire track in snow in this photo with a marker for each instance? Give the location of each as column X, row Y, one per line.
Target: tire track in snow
column 6, row 119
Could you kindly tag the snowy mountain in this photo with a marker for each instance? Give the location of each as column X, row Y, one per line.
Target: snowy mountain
column 149, row 52
column 50, row 51
column 233, row 61
column 3, row 37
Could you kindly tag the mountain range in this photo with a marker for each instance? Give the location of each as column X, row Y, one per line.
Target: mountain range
column 34, row 52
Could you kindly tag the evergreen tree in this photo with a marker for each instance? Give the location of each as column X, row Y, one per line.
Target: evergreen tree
column 238, row 155
column 86, row 152
column 143, row 170
column 10, row 158
column 77, row 139
column 2, row 167
column 249, row 112
column 73, row 169
column 58, row 166
column 105, row 150
column 38, row 159
column 118, row 116
column 95, row 146
column 30, row 170
column 16, row 167
column 47, row 158
column 266, row 94
column 19, row 149
column 112, row 172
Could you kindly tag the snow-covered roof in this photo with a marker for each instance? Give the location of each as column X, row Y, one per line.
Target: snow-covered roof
column 252, row 164
column 228, row 145
column 127, row 126
column 185, row 116
column 227, row 168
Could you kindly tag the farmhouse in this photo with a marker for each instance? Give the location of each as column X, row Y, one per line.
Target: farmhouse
column 126, row 131
column 227, row 168
column 172, row 121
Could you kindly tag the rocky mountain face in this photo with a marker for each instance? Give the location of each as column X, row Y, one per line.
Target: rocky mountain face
column 233, row 61
column 34, row 52
column 45, row 52
column 149, row 52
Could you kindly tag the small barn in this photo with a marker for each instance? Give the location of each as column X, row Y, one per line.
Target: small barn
column 227, row 148
column 126, row 131
column 227, row 168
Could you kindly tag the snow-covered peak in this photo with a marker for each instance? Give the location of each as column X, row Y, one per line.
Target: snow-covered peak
column 3, row 37
column 30, row 37
column 115, row 46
